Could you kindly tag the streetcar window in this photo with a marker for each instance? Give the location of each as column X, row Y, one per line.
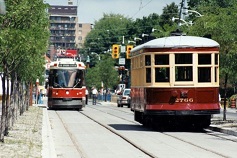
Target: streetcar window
column 204, row 74
column 67, row 78
column 204, row 59
column 147, row 60
column 51, row 77
column 162, row 74
column 46, row 72
column 183, row 59
column 148, row 75
column 183, row 73
column 161, row 59
column 216, row 76
column 216, row 59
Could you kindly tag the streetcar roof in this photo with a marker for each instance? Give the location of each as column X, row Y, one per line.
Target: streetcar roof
column 178, row 42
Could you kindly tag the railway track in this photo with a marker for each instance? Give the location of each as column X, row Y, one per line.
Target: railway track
column 205, row 131
column 126, row 117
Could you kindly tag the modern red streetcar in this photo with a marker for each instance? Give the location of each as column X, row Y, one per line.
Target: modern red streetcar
column 66, row 84
column 175, row 80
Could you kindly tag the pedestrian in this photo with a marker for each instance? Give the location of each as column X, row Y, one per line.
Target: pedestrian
column 87, row 93
column 40, row 95
column 94, row 95
column 220, row 100
column 104, row 93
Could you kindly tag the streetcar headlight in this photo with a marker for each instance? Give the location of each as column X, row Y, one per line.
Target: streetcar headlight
column 67, row 92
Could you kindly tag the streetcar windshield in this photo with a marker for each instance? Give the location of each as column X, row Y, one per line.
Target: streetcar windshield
column 62, row 78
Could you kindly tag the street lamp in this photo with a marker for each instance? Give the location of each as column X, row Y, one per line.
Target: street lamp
column 185, row 22
column 143, row 35
column 192, row 11
column 131, row 42
column 137, row 39
column 96, row 55
column 153, row 30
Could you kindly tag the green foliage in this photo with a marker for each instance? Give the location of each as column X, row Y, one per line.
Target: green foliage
column 103, row 71
column 24, row 38
column 220, row 23
column 169, row 12
column 107, row 31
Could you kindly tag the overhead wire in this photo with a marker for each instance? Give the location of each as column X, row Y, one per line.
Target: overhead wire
column 141, row 7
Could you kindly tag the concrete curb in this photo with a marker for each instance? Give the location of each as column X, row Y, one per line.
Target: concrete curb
column 228, row 131
column 48, row 149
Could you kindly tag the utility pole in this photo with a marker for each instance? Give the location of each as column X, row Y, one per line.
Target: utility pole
column 181, row 11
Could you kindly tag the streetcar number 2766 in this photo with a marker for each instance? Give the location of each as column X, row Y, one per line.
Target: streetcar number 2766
column 184, row 100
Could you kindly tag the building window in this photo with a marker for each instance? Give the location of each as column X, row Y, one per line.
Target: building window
column 80, row 25
column 79, row 38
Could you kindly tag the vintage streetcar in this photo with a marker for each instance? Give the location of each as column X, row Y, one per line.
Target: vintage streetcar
column 175, row 81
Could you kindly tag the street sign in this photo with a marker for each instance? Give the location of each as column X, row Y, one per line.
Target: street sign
column 123, row 49
column 121, row 61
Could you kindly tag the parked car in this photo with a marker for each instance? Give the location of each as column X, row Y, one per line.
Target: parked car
column 124, row 98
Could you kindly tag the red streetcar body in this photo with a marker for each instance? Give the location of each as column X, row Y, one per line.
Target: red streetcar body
column 175, row 77
column 164, row 99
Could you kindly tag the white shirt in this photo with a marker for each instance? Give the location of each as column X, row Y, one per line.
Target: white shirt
column 86, row 92
column 94, row 91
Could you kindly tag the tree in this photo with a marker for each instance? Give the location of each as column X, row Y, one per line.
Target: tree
column 109, row 30
column 220, row 23
column 103, row 72
column 24, row 35
column 169, row 12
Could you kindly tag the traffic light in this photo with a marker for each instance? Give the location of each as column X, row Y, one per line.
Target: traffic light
column 128, row 49
column 115, row 51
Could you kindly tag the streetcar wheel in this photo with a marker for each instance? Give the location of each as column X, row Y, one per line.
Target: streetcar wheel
column 138, row 116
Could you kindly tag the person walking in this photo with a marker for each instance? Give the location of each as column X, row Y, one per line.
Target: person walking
column 87, row 93
column 40, row 95
column 94, row 95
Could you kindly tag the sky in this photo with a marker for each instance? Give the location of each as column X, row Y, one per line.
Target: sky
column 91, row 10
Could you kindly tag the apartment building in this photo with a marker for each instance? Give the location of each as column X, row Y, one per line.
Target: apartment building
column 83, row 30
column 63, row 27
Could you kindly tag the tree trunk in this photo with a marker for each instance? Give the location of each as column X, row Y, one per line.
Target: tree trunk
column 3, row 117
column 8, row 111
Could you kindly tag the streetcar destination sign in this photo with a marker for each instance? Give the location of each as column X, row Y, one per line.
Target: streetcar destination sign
column 67, row 65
